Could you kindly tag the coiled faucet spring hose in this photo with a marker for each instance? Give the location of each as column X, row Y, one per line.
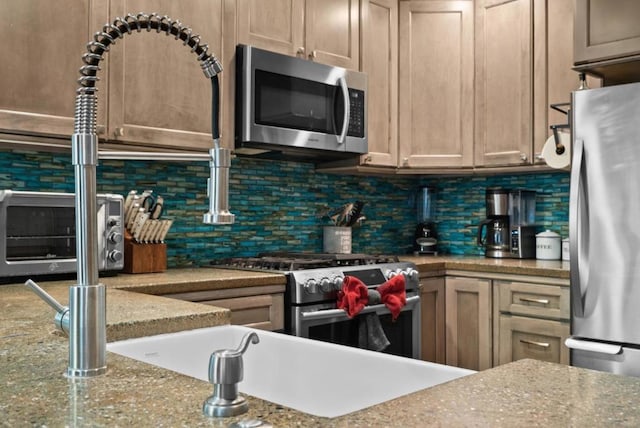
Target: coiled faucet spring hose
column 86, row 103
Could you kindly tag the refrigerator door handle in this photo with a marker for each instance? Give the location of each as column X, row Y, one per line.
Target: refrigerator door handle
column 584, row 345
column 576, row 211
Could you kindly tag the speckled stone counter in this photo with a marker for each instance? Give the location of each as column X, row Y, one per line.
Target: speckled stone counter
column 33, row 392
column 547, row 268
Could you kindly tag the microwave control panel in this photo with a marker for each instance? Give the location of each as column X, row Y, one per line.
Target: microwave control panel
column 356, row 113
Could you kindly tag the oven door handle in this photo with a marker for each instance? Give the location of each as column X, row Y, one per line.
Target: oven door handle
column 327, row 313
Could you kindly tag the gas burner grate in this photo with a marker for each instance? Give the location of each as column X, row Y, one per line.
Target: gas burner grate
column 289, row 262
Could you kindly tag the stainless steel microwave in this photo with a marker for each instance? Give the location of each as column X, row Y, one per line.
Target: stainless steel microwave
column 292, row 108
column 38, row 233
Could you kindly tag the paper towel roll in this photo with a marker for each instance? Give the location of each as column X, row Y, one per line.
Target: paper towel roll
column 554, row 160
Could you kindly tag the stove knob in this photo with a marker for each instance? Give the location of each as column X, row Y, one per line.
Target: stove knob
column 311, row 286
column 389, row 274
column 325, row 285
column 337, row 282
column 411, row 273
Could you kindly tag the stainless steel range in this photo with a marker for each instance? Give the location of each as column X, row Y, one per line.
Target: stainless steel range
column 313, row 282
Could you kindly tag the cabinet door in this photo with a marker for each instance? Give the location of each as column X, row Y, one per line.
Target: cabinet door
column 554, row 78
column 436, row 84
column 158, row 94
column 468, row 320
column 432, row 312
column 276, row 25
column 503, row 82
column 539, row 339
column 41, row 50
column 380, row 61
column 333, row 32
column 606, row 29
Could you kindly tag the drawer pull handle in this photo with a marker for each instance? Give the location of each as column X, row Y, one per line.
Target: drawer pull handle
column 530, row 300
column 534, row 343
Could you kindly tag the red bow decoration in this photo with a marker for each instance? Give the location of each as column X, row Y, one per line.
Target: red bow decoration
column 354, row 295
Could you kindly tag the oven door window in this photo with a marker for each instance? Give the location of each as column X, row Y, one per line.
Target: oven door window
column 34, row 233
column 295, row 103
column 399, row 333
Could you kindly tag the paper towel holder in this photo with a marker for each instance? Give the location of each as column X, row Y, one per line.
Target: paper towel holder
column 556, row 137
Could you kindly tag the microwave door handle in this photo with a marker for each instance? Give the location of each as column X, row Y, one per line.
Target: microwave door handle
column 347, row 107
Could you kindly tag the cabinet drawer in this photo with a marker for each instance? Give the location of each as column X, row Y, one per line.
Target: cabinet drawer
column 532, row 338
column 263, row 312
column 545, row 301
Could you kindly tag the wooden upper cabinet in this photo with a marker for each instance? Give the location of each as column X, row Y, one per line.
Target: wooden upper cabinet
column 436, row 84
column 504, row 129
column 333, row 32
column 554, row 79
column 606, row 29
column 327, row 31
column 41, row 50
column 379, row 54
column 158, row 94
column 276, row 25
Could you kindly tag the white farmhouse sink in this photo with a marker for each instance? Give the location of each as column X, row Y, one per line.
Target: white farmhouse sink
column 307, row 375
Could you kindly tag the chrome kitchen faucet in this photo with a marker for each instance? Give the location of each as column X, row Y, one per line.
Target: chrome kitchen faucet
column 85, row 318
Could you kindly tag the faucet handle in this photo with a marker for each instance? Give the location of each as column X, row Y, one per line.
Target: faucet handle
column 62, row 312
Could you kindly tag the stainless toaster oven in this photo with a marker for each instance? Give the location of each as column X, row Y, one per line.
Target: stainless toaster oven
column 38, row 233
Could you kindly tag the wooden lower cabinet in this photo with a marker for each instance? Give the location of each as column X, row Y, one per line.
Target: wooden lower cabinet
column 532, row 321
column 432, row 311
column 257, row 307
column 468, row 323
column 522, row 337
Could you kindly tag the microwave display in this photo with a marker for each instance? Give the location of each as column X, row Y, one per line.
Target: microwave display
column 40, row 232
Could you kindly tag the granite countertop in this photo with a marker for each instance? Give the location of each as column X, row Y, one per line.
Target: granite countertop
column 547, row 268
column 34, row 391
column 33, row 357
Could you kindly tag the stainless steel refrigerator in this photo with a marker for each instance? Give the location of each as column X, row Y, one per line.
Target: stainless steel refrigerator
column 604, row 229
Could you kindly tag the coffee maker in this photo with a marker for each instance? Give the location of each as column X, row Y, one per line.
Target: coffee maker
column 425, row 238
column 510, row 224
column 496, row 240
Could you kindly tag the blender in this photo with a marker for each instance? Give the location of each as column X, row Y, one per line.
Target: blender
column 425, row 237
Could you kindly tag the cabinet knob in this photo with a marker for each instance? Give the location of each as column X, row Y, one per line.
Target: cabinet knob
column 118, row 132
column 313, row 55
column 524, row 157
column 367, row 159
column 100, row 130
column 405, row 161
column 300, row 51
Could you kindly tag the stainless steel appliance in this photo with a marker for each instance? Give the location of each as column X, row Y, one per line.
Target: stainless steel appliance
column 292, row 108
column 313, row 281
column 39, row 233
column 496, row 239
column 426, row 236
column 604, row 231
column 510, row 224
column 522, row 219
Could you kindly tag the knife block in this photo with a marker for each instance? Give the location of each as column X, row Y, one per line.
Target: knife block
column 143, row 258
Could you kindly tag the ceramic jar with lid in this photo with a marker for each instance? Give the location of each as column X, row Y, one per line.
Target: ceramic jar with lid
column 548, row 246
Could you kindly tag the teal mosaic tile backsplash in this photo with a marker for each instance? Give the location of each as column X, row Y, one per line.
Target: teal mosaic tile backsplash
column 279, row 205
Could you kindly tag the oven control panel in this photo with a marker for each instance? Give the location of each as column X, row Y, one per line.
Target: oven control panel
column 315, row 285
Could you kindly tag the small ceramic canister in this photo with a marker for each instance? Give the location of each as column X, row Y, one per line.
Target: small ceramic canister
column 548, row 246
